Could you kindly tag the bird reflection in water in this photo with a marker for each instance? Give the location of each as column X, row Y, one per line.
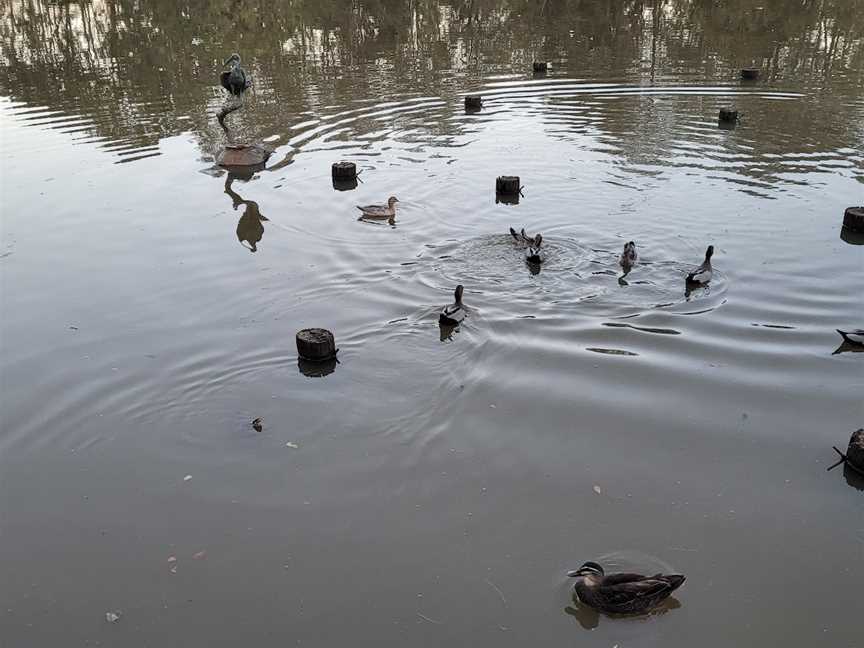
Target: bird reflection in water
column 250, row 227
column 589, row 618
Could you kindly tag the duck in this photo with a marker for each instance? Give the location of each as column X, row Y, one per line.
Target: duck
column 702, row 274
column 628, row 256
column 454, row 313
column 622, row 593
column 380, row 211
column 854, row 337
column 532, row 256
column 234, row 80
column 522, row 238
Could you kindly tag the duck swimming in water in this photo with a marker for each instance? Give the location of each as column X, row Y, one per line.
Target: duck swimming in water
column 234, row 80
column 454, row 313
column 628, row 256
column 855, row 337
column 622, row 593
column 380, row 211
column 523, row 239
column 702, row 274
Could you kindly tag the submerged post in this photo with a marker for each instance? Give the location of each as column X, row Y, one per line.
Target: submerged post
column 855, row 452
column 473, row 102
column 540, row 67
column 749, row 74
column 316, row 345
column 853, row 219
column 728, row 116
column 507, row 190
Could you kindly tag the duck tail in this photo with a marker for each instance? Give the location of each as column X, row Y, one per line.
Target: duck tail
column 843, row 334
column 514, row 234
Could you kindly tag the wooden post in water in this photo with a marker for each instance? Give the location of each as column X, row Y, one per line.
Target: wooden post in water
column 344, row 171
column 749, row 74
column 316, row 345
column 728, row 116
column 473, row 103
column 507, row 190
column 855, row 453
column 540, row 67
column 853, row 219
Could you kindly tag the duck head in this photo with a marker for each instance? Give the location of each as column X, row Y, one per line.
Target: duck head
column 392, row 200
column 629, row 246
column 234, row 58
column 538, row 240
column 709, row 252
column 458, row 294
column 590, row 571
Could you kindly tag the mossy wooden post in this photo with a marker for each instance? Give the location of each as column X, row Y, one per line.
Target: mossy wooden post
column 728, row 116
column 853, row 219
column 316, row 345
column 473, row 103
column 855, row 453
column 749, row 74
column 540, row 67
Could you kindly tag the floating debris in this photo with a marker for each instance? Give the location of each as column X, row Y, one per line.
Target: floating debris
column 257, row 424
column 113, row 617
column 598, row 490
column 291, row 444
column 187, row 478
column 201, row 554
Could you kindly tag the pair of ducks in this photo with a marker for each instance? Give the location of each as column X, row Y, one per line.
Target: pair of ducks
column 700, row 276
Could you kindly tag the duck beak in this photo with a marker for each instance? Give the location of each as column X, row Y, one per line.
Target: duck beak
column 573, row 573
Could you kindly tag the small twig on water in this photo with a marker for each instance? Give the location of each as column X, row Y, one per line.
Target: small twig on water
column 425, row 618
column 497, row 589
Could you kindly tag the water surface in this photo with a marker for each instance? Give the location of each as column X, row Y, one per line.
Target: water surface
column 434, row 487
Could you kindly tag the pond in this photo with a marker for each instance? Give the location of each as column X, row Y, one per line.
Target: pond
column 436, row 483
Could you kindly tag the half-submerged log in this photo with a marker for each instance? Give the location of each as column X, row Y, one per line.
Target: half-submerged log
column 473, row 103
column 316, row 345
column 728, row 116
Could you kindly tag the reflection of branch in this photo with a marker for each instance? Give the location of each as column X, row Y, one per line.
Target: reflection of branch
column 229, row 107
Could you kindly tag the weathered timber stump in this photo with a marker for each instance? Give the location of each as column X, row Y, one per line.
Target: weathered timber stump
column 473, row 102
column 727, row 116
column 507, row 185
column 855, row 452
column 316, row 345
column 540, row 67
column 853, row 219
column 243, row 155
column 344, row 171
column 749, row 74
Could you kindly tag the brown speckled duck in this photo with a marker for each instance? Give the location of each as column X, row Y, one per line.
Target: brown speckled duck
column 622, row 593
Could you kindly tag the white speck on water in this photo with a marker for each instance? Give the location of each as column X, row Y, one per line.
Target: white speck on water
column 291, row 444
column 187, row 478
column 112, row 617
column 597, row 489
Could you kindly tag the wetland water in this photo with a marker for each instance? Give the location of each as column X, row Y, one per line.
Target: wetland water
column 435, row 491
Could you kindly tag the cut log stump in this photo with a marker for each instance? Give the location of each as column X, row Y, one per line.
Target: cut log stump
column 316, row 345
column 853, row 219
column 855, row 453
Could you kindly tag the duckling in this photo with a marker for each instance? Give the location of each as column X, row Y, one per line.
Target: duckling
column 855, row 337
column 453, row 313
column 702, row 274
column 380, row 211
column 622, row 593
column 628, row 256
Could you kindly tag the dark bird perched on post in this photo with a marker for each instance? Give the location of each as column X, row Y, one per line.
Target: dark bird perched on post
column 622, row 593
column 234, row 80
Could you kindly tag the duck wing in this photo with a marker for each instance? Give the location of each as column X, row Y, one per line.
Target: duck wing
column 374, row 210
column 224, row 79
column 855, row 336
column 620, row 594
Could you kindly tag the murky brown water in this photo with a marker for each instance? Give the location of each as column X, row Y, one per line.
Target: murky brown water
column 438, row 490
